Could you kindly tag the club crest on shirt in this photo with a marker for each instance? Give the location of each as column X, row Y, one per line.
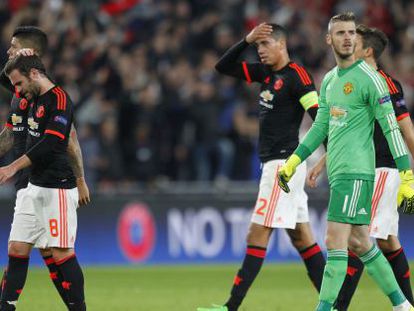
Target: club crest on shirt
column 23, row 104
column 348, row 88
column 40, row 112
column 278, row 84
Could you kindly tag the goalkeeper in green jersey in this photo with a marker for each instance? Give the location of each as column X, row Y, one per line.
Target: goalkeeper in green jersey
column 352, row 96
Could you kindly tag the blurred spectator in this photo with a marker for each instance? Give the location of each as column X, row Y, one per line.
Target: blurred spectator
column 110, row 167
column 213, row 151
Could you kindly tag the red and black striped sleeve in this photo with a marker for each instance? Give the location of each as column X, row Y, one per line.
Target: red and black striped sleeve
column 229, row 64
column 302, row 81
column 60, row 114
column 397, row 96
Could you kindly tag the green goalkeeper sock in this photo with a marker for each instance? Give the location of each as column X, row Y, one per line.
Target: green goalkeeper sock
column 333, row 277
column 380, row 270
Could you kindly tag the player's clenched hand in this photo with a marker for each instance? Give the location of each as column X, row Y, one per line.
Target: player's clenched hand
column 287, row 170
column 6, row 172
column 83, row 191
column 259, row 32
column 405, row 198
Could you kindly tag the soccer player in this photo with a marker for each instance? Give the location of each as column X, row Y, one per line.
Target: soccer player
column 370, row 43
column 352, row 96
column 29, row 39
column 287, row 91
column 14, row 136
column 51, row 191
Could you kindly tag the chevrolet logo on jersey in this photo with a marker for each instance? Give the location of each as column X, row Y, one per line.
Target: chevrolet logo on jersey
column 338, row 116
column 16, row 119
column 32, row 124
column 337, row 112
column 266, row 97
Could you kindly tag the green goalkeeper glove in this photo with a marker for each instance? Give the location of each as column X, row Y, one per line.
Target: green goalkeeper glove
column 405, row 197
column 287, row 170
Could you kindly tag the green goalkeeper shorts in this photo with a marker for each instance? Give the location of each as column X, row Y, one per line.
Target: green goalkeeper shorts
column 350, row 201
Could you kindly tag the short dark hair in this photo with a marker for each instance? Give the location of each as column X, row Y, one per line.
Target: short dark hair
column 373, row 38
column 24, row 64
column 279, row 31
column 343, row 17
column 32, row 37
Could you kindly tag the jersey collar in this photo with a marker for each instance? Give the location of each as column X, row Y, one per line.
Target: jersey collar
column 343, row 71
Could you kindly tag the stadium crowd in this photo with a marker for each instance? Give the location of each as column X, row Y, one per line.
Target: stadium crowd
column 150, row 106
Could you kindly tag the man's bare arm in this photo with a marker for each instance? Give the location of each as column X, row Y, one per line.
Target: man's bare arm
column 76, row 162
column 407, row 131
column 75, row 154
column 6, row 140
column 7, row 172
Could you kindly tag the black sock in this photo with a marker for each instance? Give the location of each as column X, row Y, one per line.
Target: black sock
column 353, row 275
column 73, row 282
column 250, row 268
column 56, row 277
column 315, row 264
column 16, row 277
column 3, row 282
column 399, row 265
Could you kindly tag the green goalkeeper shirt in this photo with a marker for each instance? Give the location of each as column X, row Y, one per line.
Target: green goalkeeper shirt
column 350, row 101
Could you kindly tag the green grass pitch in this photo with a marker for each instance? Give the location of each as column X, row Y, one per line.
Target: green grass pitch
column 279, row 287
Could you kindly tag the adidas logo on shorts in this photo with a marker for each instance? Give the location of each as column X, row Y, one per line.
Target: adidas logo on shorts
column 362, row 211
